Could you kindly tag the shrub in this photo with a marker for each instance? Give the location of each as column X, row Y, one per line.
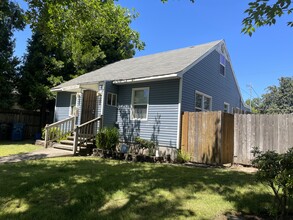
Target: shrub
column 143, row 143
column 182, row 157
column 107, row 138
column 276, row 171
column 54, row 133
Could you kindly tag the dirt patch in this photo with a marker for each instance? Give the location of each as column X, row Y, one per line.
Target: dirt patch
column 241, row 168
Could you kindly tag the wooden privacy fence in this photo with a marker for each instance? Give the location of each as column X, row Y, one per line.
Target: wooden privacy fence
column 207, row 137
column 268, row 132
column 31, row 120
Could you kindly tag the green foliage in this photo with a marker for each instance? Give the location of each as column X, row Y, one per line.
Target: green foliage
column 279, row 99
column 276, row 171
column 92, row 33
column 265, row 12
column 183, row 157
column 143, row 143
column 107, row 138
column 42, row 70
column 11, row 19
column 255, row 105
column 146, row 144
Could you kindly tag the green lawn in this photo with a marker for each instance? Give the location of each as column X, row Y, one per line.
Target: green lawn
column 10, row 148
column 92, row 188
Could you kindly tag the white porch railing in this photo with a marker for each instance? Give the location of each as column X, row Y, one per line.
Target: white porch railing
column 59, row 130
column 86, row 132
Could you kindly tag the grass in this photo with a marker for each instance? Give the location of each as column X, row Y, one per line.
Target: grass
column 92, row 188
column 10, row 148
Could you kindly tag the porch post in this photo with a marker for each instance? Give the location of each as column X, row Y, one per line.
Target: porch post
column 46, row 136
column 75, row 140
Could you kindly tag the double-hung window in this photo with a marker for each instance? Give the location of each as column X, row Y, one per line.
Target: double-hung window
column 222, row 64
column 111, row 99
column 72, row 104
column 140, row 102
column 203, row 102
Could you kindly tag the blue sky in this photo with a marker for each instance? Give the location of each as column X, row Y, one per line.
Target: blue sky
column 259, row 60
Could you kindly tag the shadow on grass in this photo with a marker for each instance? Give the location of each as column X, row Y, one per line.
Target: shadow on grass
column 97, row 189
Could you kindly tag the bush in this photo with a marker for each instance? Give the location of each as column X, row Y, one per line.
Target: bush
column 107, row 138
column 54, row 133
column 183, row 157
column 276, row 171
column 145, row 144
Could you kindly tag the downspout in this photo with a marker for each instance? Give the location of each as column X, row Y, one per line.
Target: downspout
column 179, row 113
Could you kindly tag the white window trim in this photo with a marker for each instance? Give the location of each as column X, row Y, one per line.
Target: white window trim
column 223, row 64
column 112, row 94
column 226, row 103
column 132, row 97
column 71, row 95
column 202, row 102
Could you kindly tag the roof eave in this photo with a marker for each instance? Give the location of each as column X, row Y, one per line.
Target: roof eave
column 147, row 79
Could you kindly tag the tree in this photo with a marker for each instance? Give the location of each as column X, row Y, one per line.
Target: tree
column 91, row 33
column 255, row 104
column 265, row 12
column 278, row 99
column 11, row 18
column 71, row 37
column 42, row 69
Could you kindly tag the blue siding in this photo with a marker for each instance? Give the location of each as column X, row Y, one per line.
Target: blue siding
column 206, row 78
column 110, row 112
column 62, row 106
column 161, row 124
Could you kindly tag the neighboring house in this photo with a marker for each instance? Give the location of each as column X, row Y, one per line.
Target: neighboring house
column 145, row 96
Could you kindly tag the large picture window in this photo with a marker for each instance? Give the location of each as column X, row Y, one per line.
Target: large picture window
column 140, row 101
column 203, row 102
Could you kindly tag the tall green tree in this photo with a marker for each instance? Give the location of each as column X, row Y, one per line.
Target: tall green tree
column 92, row 33
column 279, row 99
column 72, row 37
column 11, row 18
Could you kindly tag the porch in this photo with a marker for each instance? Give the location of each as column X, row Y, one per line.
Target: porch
column 67, row 135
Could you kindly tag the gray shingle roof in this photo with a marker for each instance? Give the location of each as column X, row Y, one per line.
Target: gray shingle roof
column 159, row 64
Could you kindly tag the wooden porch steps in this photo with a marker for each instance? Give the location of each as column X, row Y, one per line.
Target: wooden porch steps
column 67, row 144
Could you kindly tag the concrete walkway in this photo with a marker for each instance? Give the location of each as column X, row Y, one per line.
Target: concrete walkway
column 36, row 155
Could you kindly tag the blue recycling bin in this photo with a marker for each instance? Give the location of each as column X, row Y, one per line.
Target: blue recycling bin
column 17, row 132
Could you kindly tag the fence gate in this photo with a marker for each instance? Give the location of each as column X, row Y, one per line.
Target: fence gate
column 207, row 137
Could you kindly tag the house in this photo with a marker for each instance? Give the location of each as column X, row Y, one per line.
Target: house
column 145, row 96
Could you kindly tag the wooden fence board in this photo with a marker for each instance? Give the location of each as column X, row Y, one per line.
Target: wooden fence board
column 31, row 120
column 268, row 132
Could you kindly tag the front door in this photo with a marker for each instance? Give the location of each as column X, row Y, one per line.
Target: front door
column 88, row 106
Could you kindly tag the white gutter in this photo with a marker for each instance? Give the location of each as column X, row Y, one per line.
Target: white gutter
column 145, row 79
